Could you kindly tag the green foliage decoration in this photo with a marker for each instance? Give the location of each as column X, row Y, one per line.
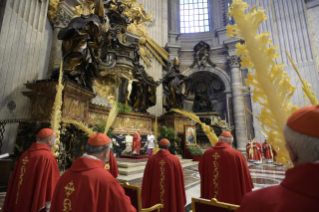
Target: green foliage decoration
column 194, row 150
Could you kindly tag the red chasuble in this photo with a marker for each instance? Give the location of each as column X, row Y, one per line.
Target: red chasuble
column 33, row 180
column 163, row 182
column 224, row 174
column 87, row 186
column 257, row 152
column 113, row 165
column 299, row 191
column 136, row 142
column 268, row 151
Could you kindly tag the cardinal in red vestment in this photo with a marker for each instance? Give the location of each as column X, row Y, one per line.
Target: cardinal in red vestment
column 257, row 157
column 299, row 190
column 34, row 177
column 113, row 165
column 136, row 142
column 268, row 152
column 87, row 186
column 224, row 172
column 163, row 181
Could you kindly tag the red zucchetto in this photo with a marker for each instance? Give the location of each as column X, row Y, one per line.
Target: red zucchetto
column 164, row 142
column 226, row 134
column 305, row 121
column 99, row 139
column 45, row 132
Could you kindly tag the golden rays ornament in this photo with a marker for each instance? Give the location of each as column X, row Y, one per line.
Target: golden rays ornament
column 56, row 115
column 270, row 85
column 207, row 129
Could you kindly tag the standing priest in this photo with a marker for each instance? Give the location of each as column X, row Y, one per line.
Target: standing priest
column 163, row 181
column 268, row 152
column 34, row 177
column 87, row 186
column 224, row 172
column 137, row 139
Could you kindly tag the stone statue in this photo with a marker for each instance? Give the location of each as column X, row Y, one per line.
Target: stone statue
column 144, row 91
column 202, row 103
column 130, row 80
column 174, row 88
column 82, row 43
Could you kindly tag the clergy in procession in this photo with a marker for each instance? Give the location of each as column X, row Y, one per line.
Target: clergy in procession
column 137, row 139
column 111, row 165
column 88, row 186
column 163, row 181
column 34, row 177
column 257, row 157
column 299, row 191
column 224, row 172
column 268, row 152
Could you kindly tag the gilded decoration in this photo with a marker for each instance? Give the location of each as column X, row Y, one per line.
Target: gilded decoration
column 162, row 181
column 95, row 118
column 216, row 174
column 40, row 107
column 137, row 16
column 23, row 170
column 53, row 10
column 74, row 107
column 67, row 204
column 105, row 87
column 179, row 124
column 128, row 123
column 86, row 8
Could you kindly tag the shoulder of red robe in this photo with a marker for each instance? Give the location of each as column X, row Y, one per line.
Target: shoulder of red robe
column 164, row 142
column 99, row 139
column 226, row 134
column 45, row 132
column 305, row 121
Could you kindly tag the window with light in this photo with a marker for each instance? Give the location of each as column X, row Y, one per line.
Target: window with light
column 194, row 16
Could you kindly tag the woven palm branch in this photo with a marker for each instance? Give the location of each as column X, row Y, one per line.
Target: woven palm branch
column 56, row 115
column 209, row 132
column 80, row 125
column 270, row 85
column 311, row 95
column 111, row 117
column 155, row 150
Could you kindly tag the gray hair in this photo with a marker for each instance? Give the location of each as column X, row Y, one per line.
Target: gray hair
column 225, row 139
column 89, row 149
column 38, row 139
column 304, row 146
column 164, row 147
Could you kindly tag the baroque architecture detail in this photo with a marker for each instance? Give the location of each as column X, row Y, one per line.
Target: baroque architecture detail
column 234, row 61
column 201, row 56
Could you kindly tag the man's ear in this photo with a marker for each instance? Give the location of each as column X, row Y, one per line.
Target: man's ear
column 107, row 153
column 292, row 154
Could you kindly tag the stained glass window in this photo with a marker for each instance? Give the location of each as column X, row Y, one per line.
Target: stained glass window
column 194, row 16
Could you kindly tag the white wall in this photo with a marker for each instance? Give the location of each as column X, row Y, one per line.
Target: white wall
column 288, row 22
column 24, row 42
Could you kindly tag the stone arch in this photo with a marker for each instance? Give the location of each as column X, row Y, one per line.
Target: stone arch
column 217, row 71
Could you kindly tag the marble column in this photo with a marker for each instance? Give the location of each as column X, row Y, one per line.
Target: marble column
column 238, row 103
column 63, row 18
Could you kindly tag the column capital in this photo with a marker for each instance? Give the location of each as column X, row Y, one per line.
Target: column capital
column 64, row 15
column 234, row 61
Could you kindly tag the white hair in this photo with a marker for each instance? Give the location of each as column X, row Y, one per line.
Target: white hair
column 225, row 139
column 89, row 149
column 304, row 146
